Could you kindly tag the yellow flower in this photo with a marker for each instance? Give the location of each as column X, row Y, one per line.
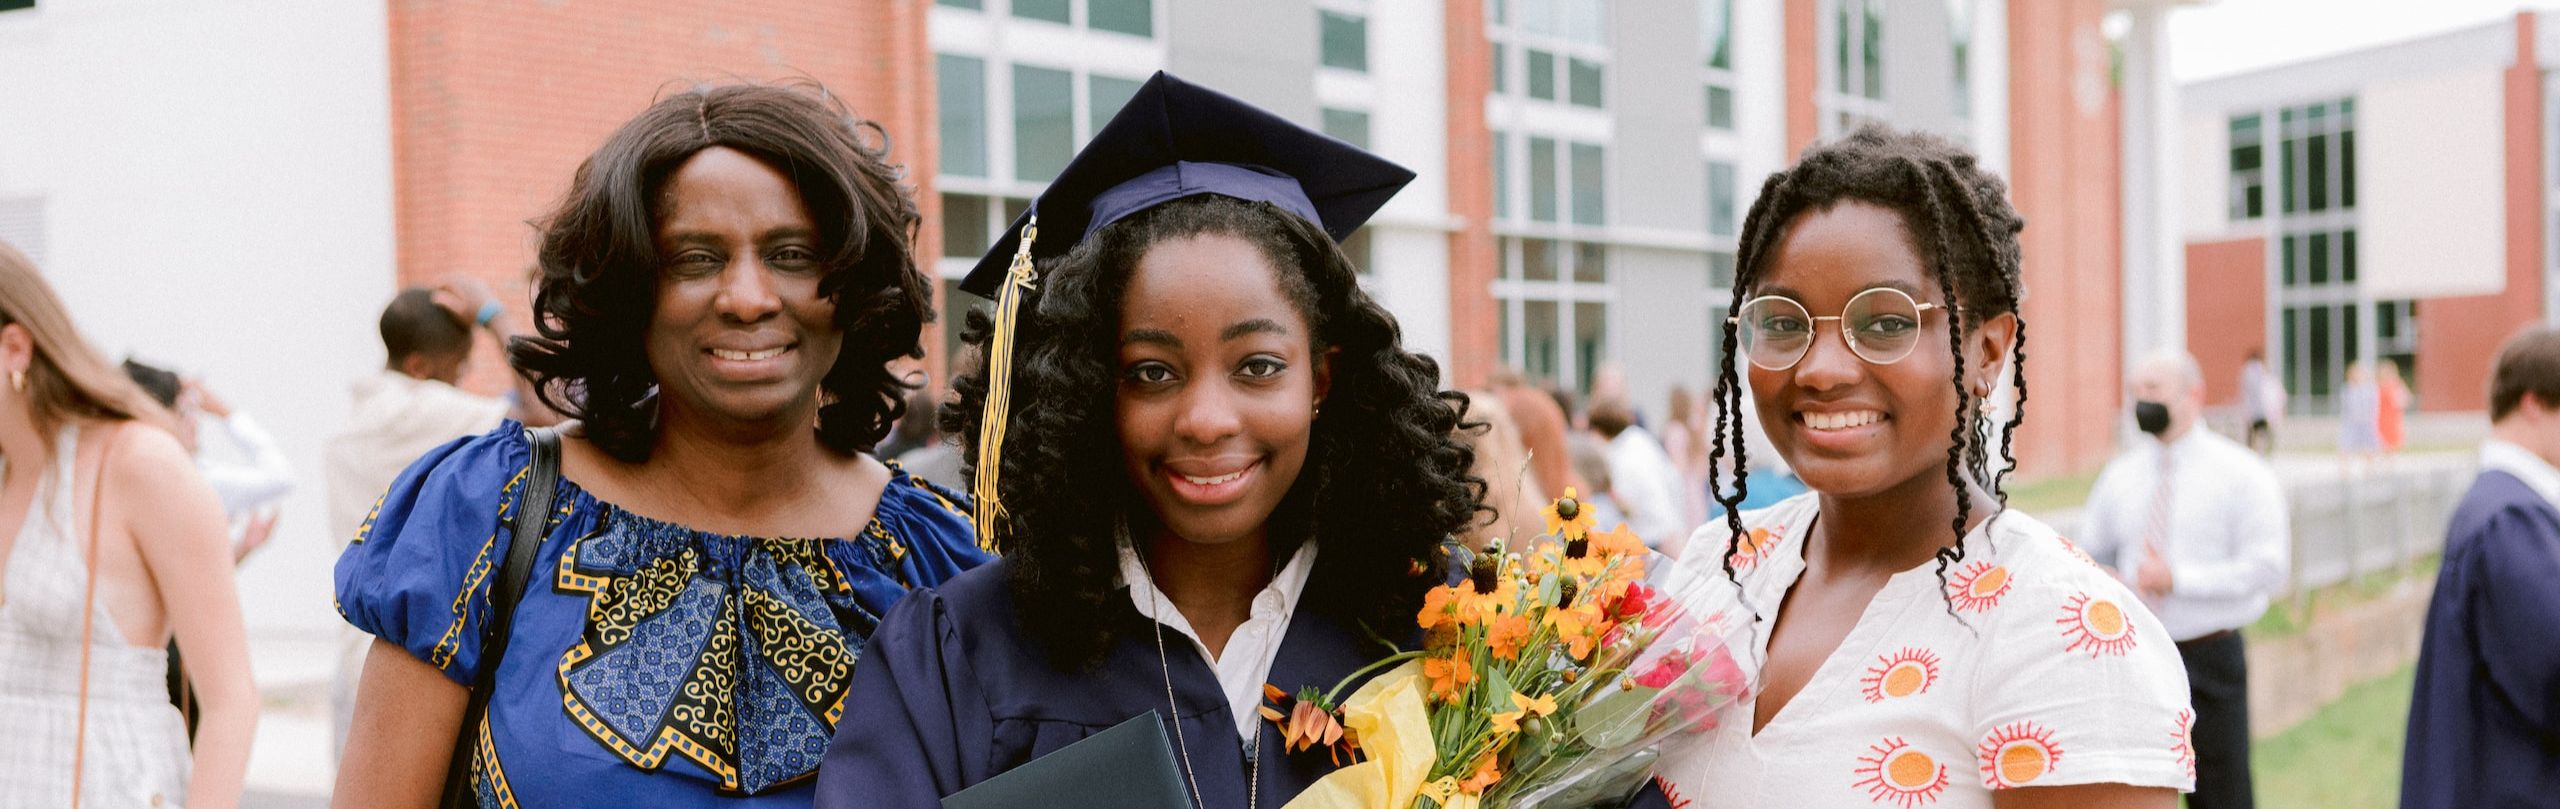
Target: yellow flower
column 1568, row 516
column 1506, row 722
column 1544, row 705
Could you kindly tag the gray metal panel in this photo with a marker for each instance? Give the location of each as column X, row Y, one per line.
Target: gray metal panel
column 1657, row 179
column 1659, row 324
column 2489, row 45
column 1262, row 51
column 1920, row 68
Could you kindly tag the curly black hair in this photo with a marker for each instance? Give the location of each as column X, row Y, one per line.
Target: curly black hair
column 1959, row 218
column 1386, row 480
column 599, row 261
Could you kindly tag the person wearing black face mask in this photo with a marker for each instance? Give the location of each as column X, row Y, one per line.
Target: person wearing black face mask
column 2197, row 524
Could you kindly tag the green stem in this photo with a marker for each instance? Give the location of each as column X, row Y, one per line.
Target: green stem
column 1334, row 695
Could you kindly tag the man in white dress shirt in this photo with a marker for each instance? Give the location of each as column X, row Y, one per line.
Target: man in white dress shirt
column 1643, row 478
column 2197, row 524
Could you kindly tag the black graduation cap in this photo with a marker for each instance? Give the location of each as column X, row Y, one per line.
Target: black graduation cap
column 1175, row 139
column 1172, row 140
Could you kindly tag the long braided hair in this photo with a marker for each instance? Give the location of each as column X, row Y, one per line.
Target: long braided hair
column 1959, row 219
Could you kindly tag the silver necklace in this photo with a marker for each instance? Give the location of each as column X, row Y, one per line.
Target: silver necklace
column 1253, row 781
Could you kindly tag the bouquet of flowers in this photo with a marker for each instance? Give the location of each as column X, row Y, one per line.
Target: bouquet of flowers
column 1553, row 675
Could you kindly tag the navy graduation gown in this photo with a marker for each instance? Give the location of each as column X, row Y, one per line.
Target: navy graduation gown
column 2484, row 723
column 950, row 693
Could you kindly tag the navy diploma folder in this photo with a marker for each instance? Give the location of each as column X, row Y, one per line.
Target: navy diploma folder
column 1129, row 766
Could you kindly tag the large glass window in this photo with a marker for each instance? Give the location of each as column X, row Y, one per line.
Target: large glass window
column 961, row 99
column 1583, row 83
column 1104, row 98
column 972, row 5
column 1590, row 198
column 1960, row 14
column 1345, row 40
column 1056, row 11
column 2248, row 173
column 1715, row 42
column 965, row 226
column 1553, row 302
column 1044, row 127
column 1542, row 179
column 1501, row 175
column 1853, row 59
column 1721, row 200
column 1542, row 75
column 2317, row 156
column 1352, row 126
column 1135, row 17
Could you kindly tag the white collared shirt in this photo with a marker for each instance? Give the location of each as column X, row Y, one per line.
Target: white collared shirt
column 2228, row 538
column 1246, row 663
column 2536, row 473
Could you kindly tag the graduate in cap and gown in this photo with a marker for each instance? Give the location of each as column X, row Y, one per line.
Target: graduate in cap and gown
column 1204, row 453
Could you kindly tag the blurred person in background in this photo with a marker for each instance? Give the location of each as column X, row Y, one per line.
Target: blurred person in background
column 1591, row 464
column 2486, row 708
column 409, row 407
column 2359, row 417
column 118, row 546
column 933, row 457
column 2196, row 523
column 1684, row 436
column 247, row 471
column 251, row 477
column 2391, row 407
column 1645, row 480
column 1543, row 427
column 1512, row 497
column 724, row 287
column 2262, row 397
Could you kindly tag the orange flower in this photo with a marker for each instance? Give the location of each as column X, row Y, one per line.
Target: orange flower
column 1486, row 776
column 1506, row 634
column 1436, row 606
column 1577, row 627
column 1568, row 516
column 1449, row 676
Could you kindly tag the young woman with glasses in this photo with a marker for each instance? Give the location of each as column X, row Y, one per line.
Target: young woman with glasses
column 1919, row 644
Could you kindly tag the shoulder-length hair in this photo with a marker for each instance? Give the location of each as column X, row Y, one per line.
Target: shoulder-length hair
column 596, row 289
column 1386, row 483
column 67, row 379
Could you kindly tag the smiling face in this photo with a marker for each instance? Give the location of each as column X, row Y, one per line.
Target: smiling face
column 1850, row 428
column 1218, row 387
column 741, row 335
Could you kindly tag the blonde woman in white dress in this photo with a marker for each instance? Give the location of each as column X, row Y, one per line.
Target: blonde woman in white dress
column 88, row 471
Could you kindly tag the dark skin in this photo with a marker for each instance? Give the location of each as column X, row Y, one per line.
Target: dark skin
column 1219, row 383
column 1885, row 504
column 735, row 453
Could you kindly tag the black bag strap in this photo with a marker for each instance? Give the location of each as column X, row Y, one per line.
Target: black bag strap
column 533, row 511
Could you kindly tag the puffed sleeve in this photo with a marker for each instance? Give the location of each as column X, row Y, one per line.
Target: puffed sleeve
column 916, row 725
column 2077, row 683
column 419, row 571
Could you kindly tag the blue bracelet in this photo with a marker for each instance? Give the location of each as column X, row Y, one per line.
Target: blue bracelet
column 488, row 312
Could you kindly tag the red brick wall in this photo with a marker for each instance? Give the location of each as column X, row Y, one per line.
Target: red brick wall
column 2458, row 338
column 2063, row 176
column 1804, row 78
column 2226, row 310
column 493, row 105
column 1474, row 338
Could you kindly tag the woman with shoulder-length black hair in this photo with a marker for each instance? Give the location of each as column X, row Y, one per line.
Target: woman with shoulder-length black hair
column 1218, row 469
column 719, row 295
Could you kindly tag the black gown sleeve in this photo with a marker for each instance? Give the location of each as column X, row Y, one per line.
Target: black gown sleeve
column 916, row 725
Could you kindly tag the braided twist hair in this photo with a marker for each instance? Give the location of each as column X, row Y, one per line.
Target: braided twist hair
column 1959, row 219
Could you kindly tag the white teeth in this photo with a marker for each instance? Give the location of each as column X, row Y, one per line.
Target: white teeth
column 1213, row 481
column 1842, row 421
column 747, row 356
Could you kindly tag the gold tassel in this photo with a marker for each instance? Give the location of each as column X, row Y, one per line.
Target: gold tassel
column 1019, row 280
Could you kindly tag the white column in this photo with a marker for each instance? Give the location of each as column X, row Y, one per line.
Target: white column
column 2155, row 262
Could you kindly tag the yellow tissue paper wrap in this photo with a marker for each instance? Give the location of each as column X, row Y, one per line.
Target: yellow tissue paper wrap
column 1395, row 739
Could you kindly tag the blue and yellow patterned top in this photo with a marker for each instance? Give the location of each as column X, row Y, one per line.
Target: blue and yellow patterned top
column 651, row 664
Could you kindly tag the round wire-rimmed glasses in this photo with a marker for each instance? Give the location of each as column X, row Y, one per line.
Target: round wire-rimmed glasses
column 1881, row 325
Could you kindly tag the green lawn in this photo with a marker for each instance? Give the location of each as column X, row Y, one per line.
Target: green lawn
column 2345, row 757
